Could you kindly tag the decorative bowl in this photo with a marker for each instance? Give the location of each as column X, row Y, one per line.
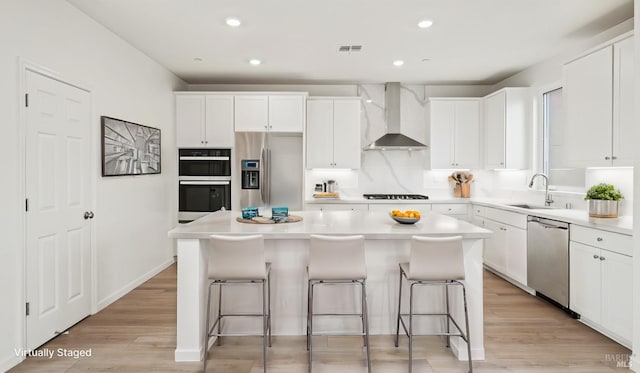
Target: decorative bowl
column 404, row 220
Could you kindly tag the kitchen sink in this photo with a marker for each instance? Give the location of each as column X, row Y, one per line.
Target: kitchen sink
column 531, row 207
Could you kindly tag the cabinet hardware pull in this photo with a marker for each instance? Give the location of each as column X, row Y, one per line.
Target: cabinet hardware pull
column 602, row 258
column 614, row 158
column 607, row 158
column 599, row 239
column 595, row 256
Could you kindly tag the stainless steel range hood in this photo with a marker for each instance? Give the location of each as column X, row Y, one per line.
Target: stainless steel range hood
column 393, row 139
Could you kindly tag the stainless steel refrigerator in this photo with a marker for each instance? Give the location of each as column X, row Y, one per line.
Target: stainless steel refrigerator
column 269, row 169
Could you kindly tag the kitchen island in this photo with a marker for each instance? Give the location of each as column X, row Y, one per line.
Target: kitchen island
column 387, row 243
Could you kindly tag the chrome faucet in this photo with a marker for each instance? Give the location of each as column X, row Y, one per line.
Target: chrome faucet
column 548, row 200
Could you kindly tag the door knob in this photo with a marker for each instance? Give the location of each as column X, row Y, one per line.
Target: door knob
column 88, row 215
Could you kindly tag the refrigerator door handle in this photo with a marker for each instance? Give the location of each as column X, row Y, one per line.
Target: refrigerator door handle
column 263, row 178
column 268, row 181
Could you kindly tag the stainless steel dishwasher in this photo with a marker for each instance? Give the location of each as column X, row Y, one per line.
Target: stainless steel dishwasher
column 548, row 259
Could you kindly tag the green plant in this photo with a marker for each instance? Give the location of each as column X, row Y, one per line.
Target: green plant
column 603, row 191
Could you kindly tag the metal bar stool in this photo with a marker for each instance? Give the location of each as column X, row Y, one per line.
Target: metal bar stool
column 238, row 260
column 337, row 260
column 434, row 261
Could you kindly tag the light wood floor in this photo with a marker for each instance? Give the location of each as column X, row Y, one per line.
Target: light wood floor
column 522, row 334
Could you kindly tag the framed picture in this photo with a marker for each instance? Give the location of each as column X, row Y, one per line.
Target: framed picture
column 129, row 148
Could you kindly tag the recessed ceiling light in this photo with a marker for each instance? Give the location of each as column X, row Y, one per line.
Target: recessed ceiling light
column 233, row 22
column 368, row 101
column 398, row 63
column 425, row 23
column 255, row 62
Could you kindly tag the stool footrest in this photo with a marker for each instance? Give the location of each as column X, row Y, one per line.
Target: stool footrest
column 459, row 334
column 337, row 314
column 236, row 335
column 318, row 334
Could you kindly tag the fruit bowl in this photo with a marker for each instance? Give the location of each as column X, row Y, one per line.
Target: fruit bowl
column 400, row 217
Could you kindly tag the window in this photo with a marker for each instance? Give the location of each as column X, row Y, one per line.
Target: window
column 561, row 177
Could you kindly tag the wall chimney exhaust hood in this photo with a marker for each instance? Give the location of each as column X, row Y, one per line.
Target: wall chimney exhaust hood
column 393, row 139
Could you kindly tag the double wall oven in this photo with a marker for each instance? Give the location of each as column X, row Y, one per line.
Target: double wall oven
column 204, row 182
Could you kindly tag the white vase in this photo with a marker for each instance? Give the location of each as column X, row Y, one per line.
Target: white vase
column 600, row 208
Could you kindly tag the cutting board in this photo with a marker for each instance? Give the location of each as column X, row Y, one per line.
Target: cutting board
column 263, row 220
column 326, row 195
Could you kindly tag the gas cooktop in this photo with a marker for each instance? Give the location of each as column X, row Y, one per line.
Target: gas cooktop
column 394, row 196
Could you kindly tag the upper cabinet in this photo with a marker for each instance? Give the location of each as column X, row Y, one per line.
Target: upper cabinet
column 505, row 129
column 598, row 94
column 455, row 129
column 275, row 113
column 204, row 120
column 333, row 133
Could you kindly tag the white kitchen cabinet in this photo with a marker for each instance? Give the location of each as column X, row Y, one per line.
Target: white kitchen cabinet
column 584, row 280
column 333, row 133
column 506, row 250
column 601, row 282
column 495, row 247
column 336, row 206
column 455, row 129
column 252, row 113
column 599, row 97
column 204, row 120
column 457, row 210
column 623, row 103
column 506, row 114
column 516, row 247
column 274, row 113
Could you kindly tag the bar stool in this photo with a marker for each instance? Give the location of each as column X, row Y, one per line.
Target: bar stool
column 238, row 260
column 337, row 260
column 434, row 261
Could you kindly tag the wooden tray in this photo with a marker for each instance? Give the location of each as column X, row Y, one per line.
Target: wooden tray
column 261, row 220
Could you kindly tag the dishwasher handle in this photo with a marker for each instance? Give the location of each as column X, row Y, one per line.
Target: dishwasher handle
column 546, row 225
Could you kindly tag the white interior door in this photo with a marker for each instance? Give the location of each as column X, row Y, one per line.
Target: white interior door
column 58, row 195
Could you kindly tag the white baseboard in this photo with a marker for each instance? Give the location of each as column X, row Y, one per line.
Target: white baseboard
column 509, row 279
column 10, row 362
column 188, row 355
column 459, row 349
column 133, row 284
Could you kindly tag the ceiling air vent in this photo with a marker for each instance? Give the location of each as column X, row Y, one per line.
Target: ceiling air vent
column 350, row 48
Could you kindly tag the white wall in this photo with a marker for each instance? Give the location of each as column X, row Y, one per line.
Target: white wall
column 635, row 359
column 133, row 214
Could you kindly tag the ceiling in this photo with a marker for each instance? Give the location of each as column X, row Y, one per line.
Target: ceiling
column 470, row 42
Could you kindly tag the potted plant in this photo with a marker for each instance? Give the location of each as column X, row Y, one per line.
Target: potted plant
column 603, row 201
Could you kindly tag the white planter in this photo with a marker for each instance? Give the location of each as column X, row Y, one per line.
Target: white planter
column 600, row 208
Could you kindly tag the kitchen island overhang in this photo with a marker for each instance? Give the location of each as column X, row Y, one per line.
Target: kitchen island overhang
column 387, row 243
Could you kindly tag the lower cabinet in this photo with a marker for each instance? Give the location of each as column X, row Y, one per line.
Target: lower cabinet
column 505, row 251
column 495, row 248
column 601, row 289
column 457, row 210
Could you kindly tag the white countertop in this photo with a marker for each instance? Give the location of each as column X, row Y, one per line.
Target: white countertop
column 371, row 224
column 622, row 224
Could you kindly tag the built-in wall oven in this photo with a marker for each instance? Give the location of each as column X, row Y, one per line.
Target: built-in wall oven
column 204, row 182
